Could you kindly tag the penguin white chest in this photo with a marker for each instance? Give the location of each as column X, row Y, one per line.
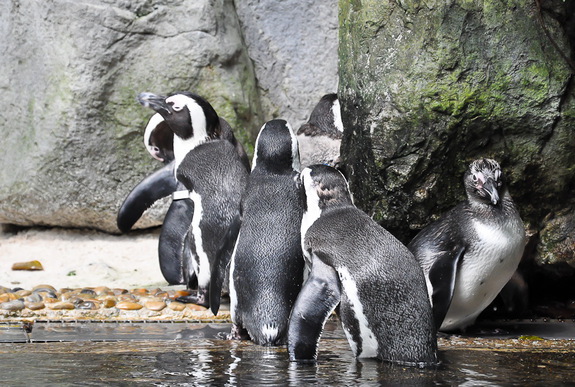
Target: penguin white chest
column 488, row 264
column 369, row 345
column 203, row 269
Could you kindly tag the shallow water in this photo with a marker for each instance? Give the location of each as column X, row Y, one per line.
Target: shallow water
column 196, row 354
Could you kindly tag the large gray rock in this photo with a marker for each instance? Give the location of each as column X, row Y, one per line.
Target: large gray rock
column 293, row 44
column 69, row 73
column 427, row 87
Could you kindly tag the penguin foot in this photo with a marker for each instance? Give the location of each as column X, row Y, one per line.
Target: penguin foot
column 238, row 333
column 193, row 299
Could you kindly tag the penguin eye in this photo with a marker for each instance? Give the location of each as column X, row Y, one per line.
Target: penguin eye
column 175, row 107
column 474, row 178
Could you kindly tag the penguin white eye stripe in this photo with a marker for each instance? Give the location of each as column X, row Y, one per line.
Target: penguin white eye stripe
column 177, row 102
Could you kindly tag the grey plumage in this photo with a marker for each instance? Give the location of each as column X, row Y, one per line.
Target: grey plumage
column 266, row 269
column 357, row 264
column 471, row 252
column 320, row 138
column 214, row 170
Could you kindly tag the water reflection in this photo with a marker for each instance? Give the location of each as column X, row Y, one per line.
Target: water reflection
column 198, row 360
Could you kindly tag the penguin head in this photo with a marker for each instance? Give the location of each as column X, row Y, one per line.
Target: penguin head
column 325, row 187
column 188, row 115
column 159, row 139
column 276, row 148
column 484, row 181
column 325, row 119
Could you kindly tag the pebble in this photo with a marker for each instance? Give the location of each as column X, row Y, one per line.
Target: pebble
column 196, row 307
column 176, row 306
column 8, row 297
column 34, row 305
column 22, row 293
column 13, row 305
column 34, row 297
column 128, row 305
column 45, row 296
column 43, row 288
column 101, row 290
column 87, row 292
column 155, row 305
column 88, row 305
column 29, row 265
column 61, row 305
column 108, row 302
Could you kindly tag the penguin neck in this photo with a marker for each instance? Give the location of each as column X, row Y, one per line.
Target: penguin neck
column 183, row 147
column 500, row 212
column 309, row 217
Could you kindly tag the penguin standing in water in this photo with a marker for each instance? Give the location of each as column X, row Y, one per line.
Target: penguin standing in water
column 471, row 252
column 266, row 269
column 215, row 177
column 320, row 138
column 384, row 307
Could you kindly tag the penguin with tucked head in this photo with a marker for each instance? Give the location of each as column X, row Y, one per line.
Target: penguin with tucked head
column 158, row 140
column 471, row 252
column 320, row 138
column 378, row 284
column 215, row 177
column 266, row 269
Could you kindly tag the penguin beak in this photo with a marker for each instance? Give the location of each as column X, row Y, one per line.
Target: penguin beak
column 155, row 102
column 491, row 190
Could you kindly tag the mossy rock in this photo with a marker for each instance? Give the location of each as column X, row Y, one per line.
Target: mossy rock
column 426, row 87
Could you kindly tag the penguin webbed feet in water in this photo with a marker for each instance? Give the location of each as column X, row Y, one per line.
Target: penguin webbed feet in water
column 238, row 333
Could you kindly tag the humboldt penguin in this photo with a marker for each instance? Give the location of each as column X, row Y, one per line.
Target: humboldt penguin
column 320, row 138
column 266, row 269
column 471, row 252
column 215, row 177
column 379, row 286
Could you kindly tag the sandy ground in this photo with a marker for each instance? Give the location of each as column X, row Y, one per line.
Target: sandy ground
column 76, row 258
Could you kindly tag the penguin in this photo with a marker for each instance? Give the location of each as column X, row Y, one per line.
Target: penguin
column 267, row 265
column 320, row 138
column 471, row 252
column 379, row 286
column 158, row 141
column 215, row 177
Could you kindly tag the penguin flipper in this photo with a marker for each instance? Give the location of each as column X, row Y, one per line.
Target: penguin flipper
column 442, row 276
column 152, row 188
column 318, row 297
column 220, row 266
column 171, row 243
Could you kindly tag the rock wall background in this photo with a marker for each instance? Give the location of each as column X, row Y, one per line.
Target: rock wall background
column 70, row 70
column 426, row 87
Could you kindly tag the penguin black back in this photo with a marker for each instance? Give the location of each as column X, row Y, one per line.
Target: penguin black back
column 325, row 119
column 267, row 265
column 384, row 308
